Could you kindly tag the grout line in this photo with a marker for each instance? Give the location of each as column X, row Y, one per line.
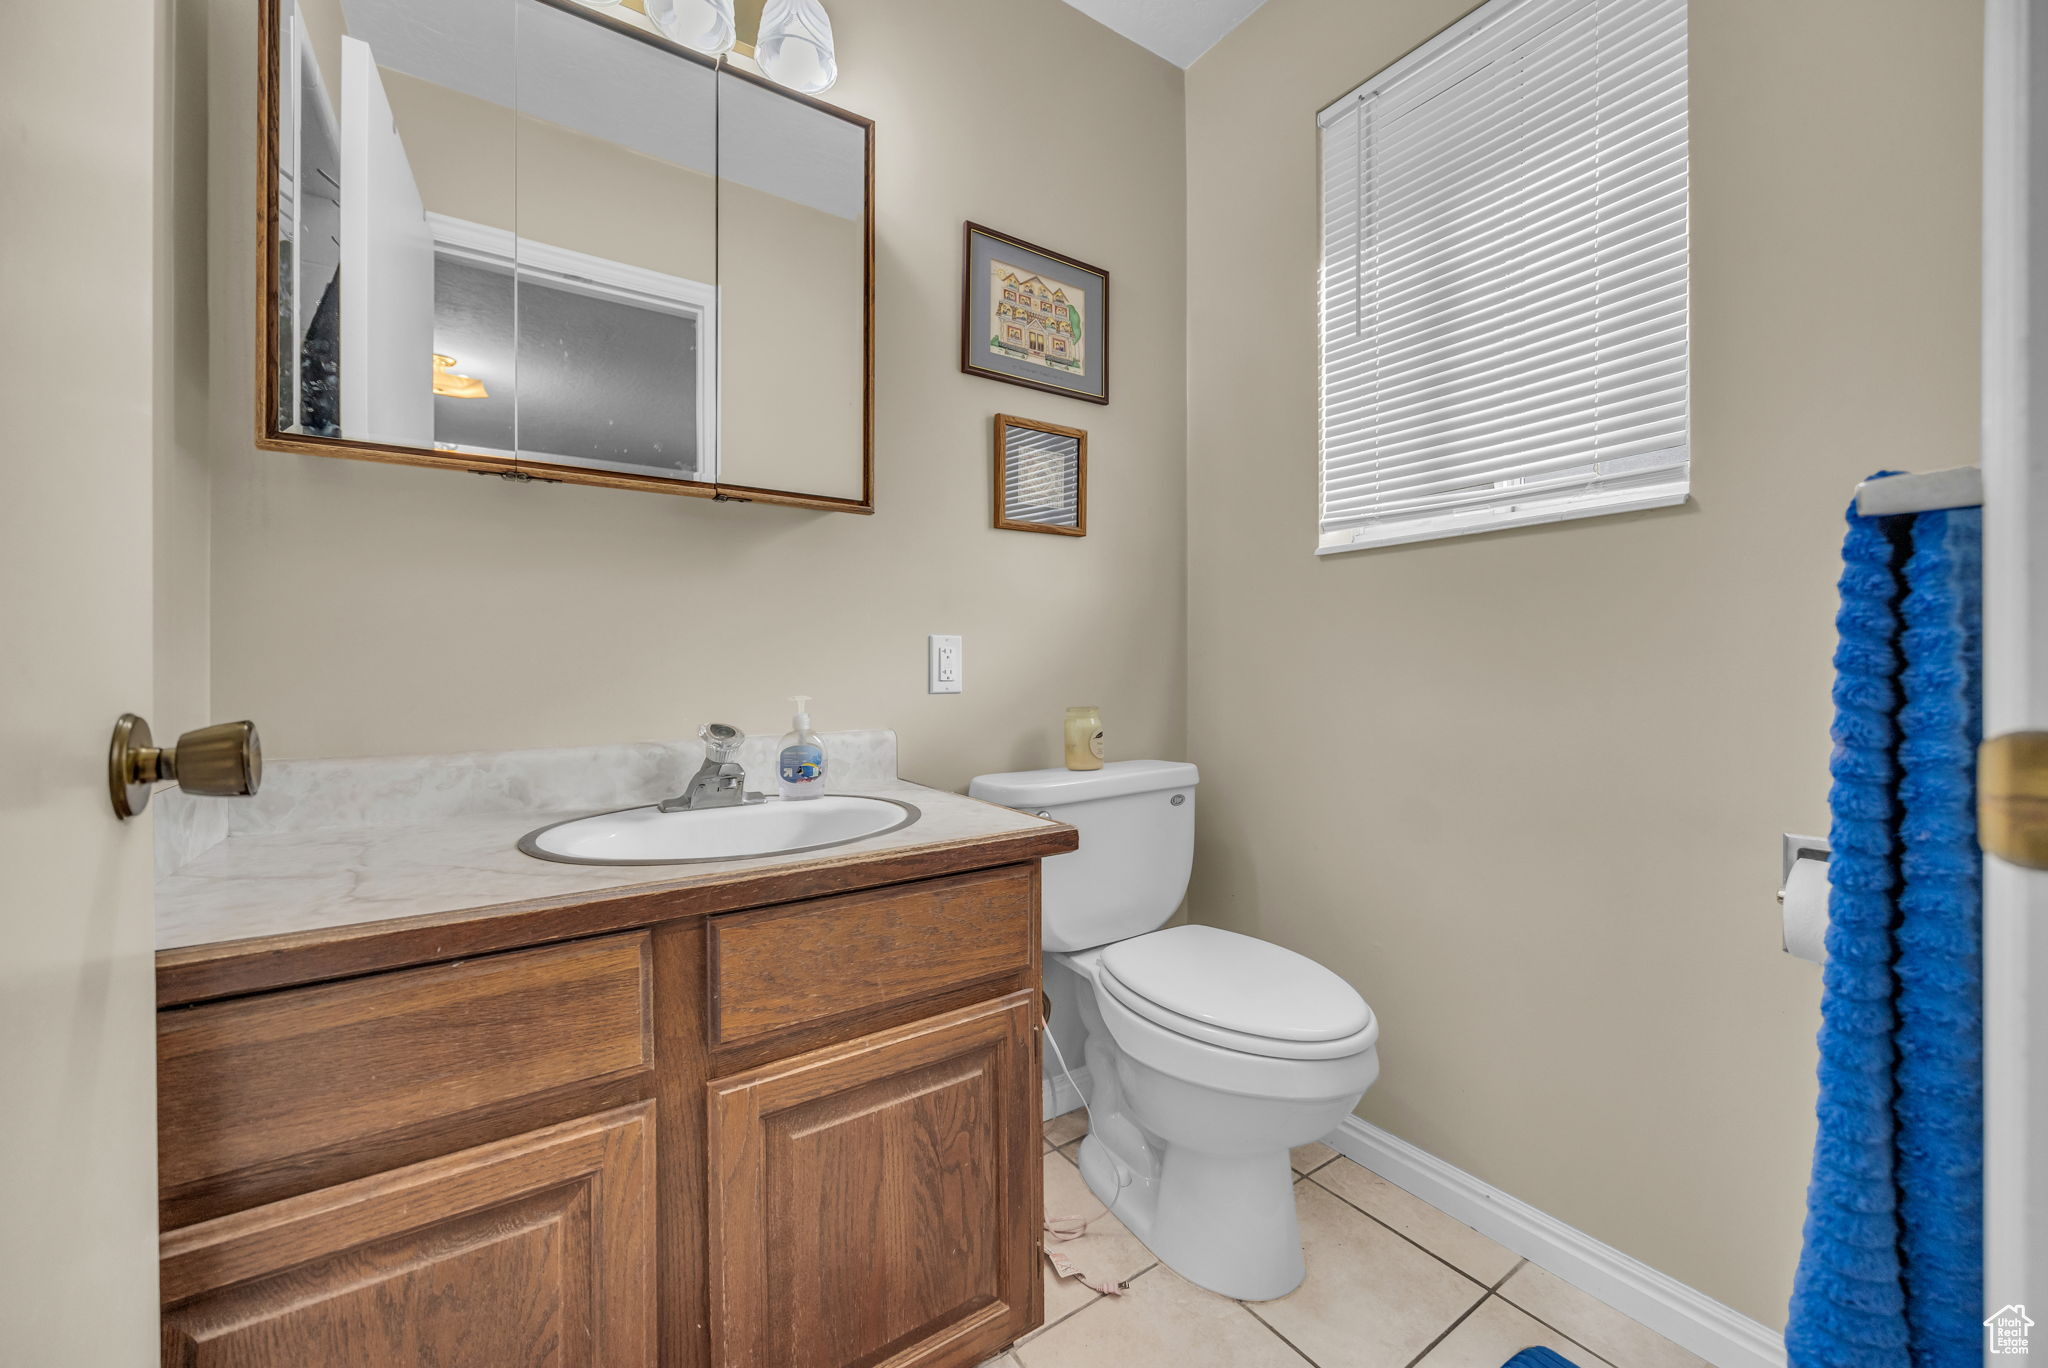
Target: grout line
column 1098, row 1297
column 1320, row 1167
column 1559, row 1331
column 1067, row 1150
column 1411, row 1239
column 1430, row 1348
column 1253, row 1311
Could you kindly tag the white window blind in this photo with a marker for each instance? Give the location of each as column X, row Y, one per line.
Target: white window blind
column 1504, row 276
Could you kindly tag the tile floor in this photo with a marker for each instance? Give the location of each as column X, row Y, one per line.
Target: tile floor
column 1392, row 1283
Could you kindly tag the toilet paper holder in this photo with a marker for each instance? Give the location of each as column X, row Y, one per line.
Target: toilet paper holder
column 1795, row 849
column 1792, row 850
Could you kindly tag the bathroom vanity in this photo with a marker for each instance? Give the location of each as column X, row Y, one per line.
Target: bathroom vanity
column 747, row 1113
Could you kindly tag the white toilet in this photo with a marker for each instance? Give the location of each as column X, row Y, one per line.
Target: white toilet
column 1210, row 1055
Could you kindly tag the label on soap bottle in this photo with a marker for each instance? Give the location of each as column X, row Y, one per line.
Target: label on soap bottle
column 802, row 764
column 1095, row 745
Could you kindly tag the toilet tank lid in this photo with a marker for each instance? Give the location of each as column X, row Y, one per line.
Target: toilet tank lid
column 1051, row 787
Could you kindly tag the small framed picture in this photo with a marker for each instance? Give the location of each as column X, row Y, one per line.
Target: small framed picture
column 1031, row 317
column 1041, row 477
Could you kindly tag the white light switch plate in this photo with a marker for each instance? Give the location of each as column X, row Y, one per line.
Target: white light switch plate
column 945, row 664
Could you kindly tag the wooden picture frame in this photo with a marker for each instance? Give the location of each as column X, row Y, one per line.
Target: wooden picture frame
column 1053, row 496
column 1068, row 352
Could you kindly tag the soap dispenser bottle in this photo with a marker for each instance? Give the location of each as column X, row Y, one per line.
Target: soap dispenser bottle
column 801, row 771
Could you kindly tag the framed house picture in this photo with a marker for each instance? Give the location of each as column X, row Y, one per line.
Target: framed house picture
column 1032, row 317
column 1041, row 477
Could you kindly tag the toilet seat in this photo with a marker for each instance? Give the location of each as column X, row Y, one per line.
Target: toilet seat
column 1237, row 993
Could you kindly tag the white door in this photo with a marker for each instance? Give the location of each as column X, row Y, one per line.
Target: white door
column 77, row 1028
column 387, row 269
column 2016, row 646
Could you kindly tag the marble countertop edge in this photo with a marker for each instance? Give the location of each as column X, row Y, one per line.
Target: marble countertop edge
column 258, row 898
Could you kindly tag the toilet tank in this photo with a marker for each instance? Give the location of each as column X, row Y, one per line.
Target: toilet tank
column 1137, row 824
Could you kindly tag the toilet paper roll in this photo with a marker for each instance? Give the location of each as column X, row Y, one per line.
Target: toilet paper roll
column 1806, row 911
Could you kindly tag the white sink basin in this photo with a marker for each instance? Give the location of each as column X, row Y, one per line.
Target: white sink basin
column 647, row 835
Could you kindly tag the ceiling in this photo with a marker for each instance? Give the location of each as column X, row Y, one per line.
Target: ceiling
column 1178, row 30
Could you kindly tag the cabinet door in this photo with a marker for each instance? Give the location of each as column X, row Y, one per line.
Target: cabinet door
column 533, row 1252
column 878, row 1202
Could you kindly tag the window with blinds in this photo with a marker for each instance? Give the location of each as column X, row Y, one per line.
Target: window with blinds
column 1504, row 276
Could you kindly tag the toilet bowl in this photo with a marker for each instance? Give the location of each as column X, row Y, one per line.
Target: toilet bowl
column 1210, row 1054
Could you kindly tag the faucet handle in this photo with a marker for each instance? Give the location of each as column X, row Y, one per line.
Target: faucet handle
column 721, row 742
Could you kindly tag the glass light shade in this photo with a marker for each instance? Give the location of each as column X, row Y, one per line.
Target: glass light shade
column 795, row 46
column 706, row 25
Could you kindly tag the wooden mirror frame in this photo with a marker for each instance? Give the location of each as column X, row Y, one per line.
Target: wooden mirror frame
column 1004, row 422
column 269, row 437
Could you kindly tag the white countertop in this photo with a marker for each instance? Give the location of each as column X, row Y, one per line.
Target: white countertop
column 279, row 884
column 339, row 843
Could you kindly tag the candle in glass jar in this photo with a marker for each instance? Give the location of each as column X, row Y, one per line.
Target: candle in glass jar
column 1084, row 738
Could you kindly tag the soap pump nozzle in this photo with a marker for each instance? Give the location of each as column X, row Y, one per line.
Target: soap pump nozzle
column 802, row 720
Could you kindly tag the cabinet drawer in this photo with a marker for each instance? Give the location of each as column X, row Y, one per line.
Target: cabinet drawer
column 253, row 1082
column 534, row 1250
column 785, row 967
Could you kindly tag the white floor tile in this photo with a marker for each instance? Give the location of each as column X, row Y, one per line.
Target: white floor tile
column 1447, row 1238
column 1593, row 1323
column 1307, row 1158
column 1371, row 1299
column 1164, row 1321
column 1062, row 1130
column 1108, row 1251
column 1495, row 1333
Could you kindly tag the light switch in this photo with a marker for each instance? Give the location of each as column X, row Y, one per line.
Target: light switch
column 945, row 664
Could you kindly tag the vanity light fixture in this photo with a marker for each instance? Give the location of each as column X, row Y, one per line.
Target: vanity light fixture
column 706, row 25
column 794, row 46
column 449, row 385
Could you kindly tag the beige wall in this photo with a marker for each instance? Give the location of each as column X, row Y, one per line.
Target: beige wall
column 1525, row 789
column 359, row 609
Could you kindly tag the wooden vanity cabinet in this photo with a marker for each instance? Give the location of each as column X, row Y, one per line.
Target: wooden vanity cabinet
column 799, row 1134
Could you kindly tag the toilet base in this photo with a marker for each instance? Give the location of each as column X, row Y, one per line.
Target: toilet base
column 1188, row 1143
column 1225, row 1223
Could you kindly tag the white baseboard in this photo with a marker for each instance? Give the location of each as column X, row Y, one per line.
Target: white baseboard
column 1060, row 1096
column 1717, row 1333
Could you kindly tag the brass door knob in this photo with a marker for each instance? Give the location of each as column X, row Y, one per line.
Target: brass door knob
column 2012, row 798
column 222, row 761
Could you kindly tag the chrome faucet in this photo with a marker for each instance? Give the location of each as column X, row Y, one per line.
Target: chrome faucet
column 719, row 781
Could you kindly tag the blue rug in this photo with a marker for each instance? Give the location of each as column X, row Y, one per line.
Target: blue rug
column 1539, row 1358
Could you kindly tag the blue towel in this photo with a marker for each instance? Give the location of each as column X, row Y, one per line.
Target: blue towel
column 1891, row 1268
column 1940, row 1105
column 1539, row 1358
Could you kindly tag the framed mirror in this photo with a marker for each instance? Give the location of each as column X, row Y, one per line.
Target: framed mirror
column 530, row 238
column 1041, row 477
column 794, row 196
